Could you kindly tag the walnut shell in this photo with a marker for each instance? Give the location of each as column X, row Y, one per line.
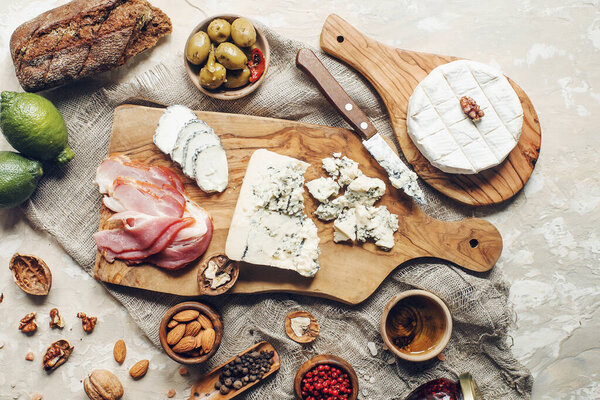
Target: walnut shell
column 31, row 274
column 56, row 355
column 103, row 385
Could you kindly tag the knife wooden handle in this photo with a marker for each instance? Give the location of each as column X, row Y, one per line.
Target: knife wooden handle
column 308, row 62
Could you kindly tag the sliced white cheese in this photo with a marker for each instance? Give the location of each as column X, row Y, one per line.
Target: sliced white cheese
column 269, row 226
column 323, row 188
column 446, row 136
column 186, row 133
column 201, row 140
column 170, row 123
column 210, row 168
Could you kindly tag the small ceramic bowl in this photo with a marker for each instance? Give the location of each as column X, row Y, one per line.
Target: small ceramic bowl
column 223, row 93
column 416, row 325
column 330, row 360
column 215, row 319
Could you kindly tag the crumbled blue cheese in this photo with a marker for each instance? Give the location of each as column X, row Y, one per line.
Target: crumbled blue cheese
column 269, row 226
column 323, row 188
column 354, row 214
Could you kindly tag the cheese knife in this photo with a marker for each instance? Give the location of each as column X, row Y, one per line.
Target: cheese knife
column 400, row 175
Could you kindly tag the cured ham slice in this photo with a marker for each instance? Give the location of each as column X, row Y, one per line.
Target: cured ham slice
column 118, row 165
column 155, row 221
column 147, row 198
column 190, row 243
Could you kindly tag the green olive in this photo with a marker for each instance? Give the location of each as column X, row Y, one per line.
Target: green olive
column 237, row 78
column 231, row 56
column 212, row 75
column 219, row 30
column 243, row 33
column 198, row 48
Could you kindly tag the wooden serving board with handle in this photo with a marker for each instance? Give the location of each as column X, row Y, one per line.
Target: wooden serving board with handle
column 395, row 73
column 348, row 273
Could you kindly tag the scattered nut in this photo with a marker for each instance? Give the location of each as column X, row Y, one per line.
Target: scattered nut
column 470, row 107
column 56, row 355
column 186, row 315
column 183, row 371
column 56, row 320
column 1, row 297
column 441, row 357
column 29, row 356
column 103, row 385
column 28, row 324
column 88, row 323
column 36, row 396
column 31, row 274
column 139, row 369
column 171, row 393
column 187, row 343
column 120, row 351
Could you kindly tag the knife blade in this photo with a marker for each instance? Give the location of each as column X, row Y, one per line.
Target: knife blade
column 401, row 177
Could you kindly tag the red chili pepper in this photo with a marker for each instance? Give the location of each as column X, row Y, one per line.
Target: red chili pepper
column 256, row 64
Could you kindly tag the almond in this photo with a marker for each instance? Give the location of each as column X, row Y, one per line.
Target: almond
column 208, row 340
column 205, row 322
column 175, row 334
column 187, row 343
column 199, row 339
column 193, row 328
column 139, row 369
column 186, row 315
column 119, row 351
column 172, row 324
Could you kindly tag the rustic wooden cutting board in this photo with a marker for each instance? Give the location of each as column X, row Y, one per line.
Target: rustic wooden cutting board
column 395, row 73
column 348, row 273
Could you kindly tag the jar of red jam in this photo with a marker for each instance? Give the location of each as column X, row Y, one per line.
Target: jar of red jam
column 445, row 389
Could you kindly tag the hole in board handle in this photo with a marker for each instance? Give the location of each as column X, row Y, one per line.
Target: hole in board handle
column 474, row 243
column 340, row 39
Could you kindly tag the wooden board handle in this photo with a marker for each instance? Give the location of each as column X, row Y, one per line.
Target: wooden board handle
column 472, row 243
column 308, row 62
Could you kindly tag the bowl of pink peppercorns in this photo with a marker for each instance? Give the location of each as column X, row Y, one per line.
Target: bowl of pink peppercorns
column 326, row 377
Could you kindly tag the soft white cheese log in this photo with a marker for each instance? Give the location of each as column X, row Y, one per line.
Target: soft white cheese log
column 269, row 226
column 170, row 123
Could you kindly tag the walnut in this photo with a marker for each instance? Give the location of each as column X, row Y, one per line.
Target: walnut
column 1, row 297
column 88, row 323
column 28, row 324
column 470, row 107
column 56, row 321
column 103, row 385
column 56, row 355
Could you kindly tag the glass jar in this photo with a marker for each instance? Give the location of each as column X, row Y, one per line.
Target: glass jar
column 445, row 389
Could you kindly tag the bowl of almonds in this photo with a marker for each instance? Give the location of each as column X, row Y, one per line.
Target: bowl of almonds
column 191, row 332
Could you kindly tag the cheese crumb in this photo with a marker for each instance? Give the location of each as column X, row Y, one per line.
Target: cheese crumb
column 300, row 325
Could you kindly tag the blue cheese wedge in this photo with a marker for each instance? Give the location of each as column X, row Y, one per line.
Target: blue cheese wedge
column 269, row 226
column 446, row 136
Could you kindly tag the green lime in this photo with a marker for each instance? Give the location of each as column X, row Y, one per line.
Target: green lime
column 33, row 126
column 19, row 177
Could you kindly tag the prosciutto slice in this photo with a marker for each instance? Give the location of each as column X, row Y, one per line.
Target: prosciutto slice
column 155, row 221
column 147, row 198
column 189, row 243
column 118, row 165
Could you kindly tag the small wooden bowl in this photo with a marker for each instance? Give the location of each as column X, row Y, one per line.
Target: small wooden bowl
column 222, row 93
column 427, row 325
column 225, row 265
column 203, row 309
column 311, row 333
column 330, row 360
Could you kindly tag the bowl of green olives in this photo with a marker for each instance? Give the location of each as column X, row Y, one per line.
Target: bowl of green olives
column 227, row 57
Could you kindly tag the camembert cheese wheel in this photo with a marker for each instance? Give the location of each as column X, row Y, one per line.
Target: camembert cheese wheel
column 446, row 136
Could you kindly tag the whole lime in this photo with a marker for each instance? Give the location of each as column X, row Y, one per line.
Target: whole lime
column 33, row 126
column 19, row 177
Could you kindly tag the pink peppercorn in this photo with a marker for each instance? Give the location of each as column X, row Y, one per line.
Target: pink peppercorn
column 326, row 382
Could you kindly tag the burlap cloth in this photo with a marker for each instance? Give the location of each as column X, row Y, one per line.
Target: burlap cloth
column 67, row 205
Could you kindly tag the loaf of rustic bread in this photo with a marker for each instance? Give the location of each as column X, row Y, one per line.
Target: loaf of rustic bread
column 83, row 38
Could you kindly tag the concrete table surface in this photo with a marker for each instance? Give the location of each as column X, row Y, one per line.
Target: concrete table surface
column 551, row 229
